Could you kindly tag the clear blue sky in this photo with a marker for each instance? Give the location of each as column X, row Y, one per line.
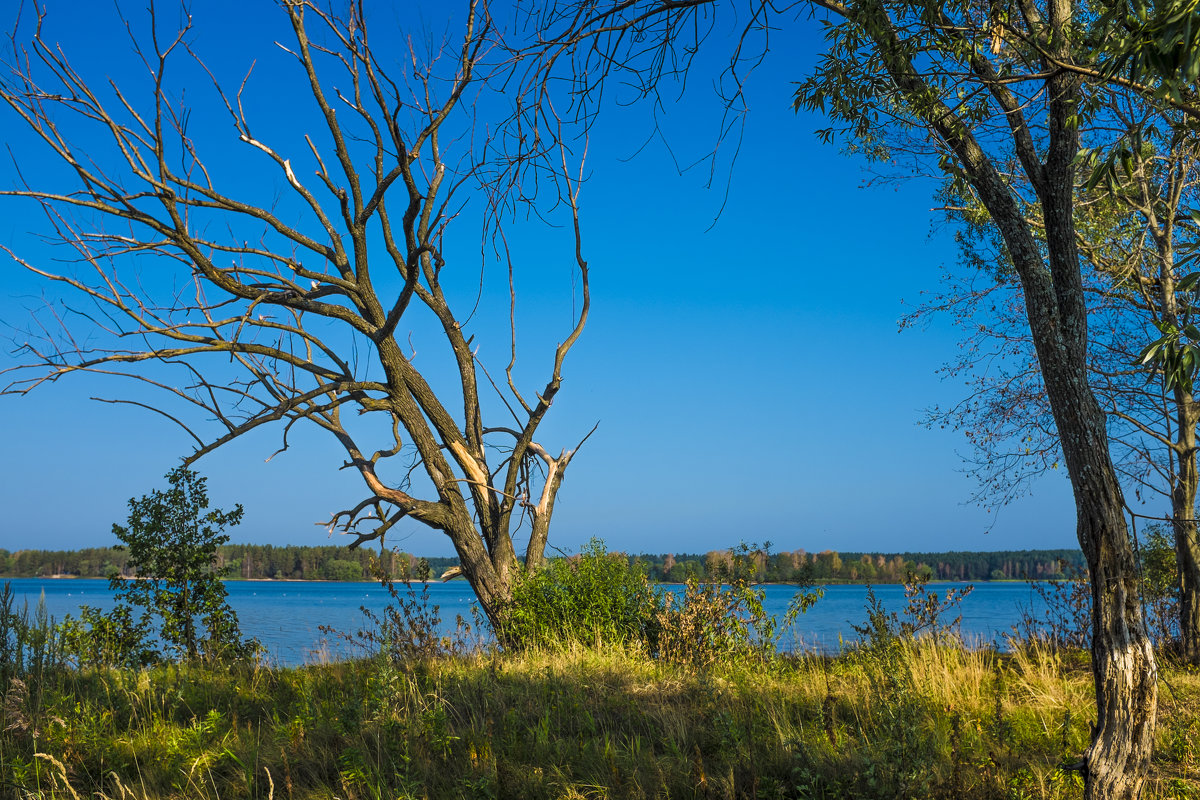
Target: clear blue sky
column 748, row 375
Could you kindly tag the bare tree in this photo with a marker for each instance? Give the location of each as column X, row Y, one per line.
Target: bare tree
column 300, row 309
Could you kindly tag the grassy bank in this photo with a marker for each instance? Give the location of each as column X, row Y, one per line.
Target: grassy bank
column 898, row 720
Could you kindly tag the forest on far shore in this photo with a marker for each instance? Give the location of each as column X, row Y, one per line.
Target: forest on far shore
column 330, row 563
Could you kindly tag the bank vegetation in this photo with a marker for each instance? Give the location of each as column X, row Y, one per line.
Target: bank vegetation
column 620, row 691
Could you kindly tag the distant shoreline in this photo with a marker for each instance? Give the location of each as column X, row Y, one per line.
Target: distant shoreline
column 67, row 576
column 328, row 564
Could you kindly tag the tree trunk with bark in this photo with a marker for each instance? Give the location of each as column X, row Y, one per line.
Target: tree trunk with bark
column 1124, row 670
column 1116, row 763
column 1161, row 210
column 1160, row 207
column 1183, row 512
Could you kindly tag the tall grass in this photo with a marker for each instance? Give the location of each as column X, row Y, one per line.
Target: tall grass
column 902, row 716
column 924, row 720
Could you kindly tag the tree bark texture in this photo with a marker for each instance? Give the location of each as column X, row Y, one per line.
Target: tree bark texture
column 1187, row 477
column 1124, row 670
column 1187, row 546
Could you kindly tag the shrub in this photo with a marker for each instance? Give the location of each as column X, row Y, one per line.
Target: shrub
column 600, row 598
column 410, row 625
column 723, row 618
column 1066, row 621
column 99, row 639
column 1160, row 584
column 925, row 614
column 593, row 598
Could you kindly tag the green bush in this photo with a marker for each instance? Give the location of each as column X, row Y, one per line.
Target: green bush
column 600, row 598
column 723, row 618
column 593, row 598
column 1160, row 583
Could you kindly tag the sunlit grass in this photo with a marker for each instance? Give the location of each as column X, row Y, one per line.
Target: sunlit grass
column 687, row 708
column 907, row 720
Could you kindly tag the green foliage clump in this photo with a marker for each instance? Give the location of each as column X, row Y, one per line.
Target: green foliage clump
column 1160, row 583
column 343, row 570
column 723, row 618
column 600, row 598
column 31, row 653
column 595, row 597
column 114, row 638
column 172, row 539
column 30, row 645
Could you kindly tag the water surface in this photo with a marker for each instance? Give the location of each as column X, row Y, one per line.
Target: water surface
column 287, row 616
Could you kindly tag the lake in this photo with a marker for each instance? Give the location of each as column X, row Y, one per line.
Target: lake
column 286, row 616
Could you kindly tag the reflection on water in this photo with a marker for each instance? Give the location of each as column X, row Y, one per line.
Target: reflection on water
column 286, row 616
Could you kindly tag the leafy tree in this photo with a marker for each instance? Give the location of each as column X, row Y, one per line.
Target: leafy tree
column 1160, row 583
column 978, row 91
column 172, row 538
column 1136, row 237
column 1160, row 573
column 341, row 570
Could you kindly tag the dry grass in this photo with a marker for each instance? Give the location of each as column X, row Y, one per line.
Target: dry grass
column 908, row 720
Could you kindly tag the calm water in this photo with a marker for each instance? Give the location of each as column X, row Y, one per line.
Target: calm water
column 286, row 616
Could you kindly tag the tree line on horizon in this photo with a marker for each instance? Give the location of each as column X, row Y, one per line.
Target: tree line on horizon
column 244, row 562
column 333, row 563
column 830, row 566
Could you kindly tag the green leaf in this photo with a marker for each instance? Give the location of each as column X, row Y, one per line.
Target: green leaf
column 1188, row 282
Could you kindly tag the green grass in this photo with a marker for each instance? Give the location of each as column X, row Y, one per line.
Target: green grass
column 901, row 720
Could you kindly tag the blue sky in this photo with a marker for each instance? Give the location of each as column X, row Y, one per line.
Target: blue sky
column 748, row 375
